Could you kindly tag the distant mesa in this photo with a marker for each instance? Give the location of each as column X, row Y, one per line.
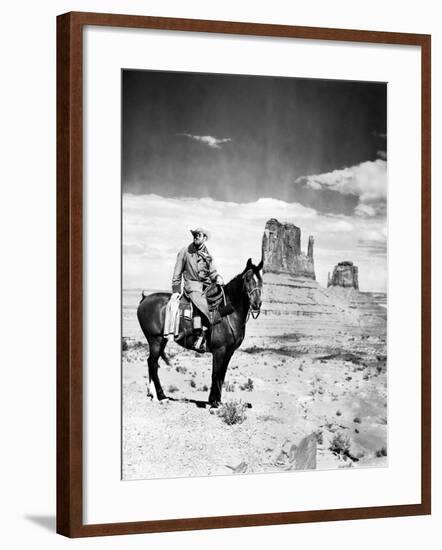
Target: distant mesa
column 281, row 250
column 345, row 274
column 291, row 294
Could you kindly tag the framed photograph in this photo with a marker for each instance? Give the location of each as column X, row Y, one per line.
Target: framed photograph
column 243, row 274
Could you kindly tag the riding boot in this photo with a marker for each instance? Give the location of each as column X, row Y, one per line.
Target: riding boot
column 200, row 342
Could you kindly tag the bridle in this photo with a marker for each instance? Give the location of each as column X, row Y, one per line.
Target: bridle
column 253, row 312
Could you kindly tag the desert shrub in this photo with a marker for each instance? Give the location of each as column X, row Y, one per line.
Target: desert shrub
column 183, row 370
column 204, row 387
column 357, row 420
column 138, row 345
column 340, row 444
column 247, row 386
column 233, row 412
column 172, row 389
column 229, row 387
column 338, row 413
column 192, row 383
column 381, row 452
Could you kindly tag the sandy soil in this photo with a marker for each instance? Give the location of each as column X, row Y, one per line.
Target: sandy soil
column 320, row 378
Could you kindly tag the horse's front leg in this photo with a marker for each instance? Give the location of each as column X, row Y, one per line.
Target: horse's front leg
column 217, row 364
column 221, row 358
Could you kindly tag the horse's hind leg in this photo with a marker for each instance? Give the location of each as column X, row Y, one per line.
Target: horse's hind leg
column 156, row 348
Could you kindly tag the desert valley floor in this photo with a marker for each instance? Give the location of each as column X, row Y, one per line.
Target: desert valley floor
column 311, row 388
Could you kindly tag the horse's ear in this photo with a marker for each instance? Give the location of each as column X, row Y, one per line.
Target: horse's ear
column 249, row 263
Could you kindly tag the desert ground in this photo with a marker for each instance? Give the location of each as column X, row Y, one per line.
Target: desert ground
column 301, row 392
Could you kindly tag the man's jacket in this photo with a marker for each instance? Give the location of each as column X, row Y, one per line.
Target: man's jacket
column 195, row 267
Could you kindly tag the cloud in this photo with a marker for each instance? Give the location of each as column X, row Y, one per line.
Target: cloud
column 374, row 248
column 155, row 228
column 365, row 210
column 313, row 185
column 211, row 141
column 367, row 181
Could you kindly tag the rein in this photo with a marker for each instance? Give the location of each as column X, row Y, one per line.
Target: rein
column 255, row 313
column 228, row 316
column 251, row 312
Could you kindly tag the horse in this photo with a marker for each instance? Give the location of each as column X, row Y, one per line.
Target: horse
column 244, row 294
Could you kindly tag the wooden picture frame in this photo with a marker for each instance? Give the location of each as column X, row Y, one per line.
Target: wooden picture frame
column 70, row 269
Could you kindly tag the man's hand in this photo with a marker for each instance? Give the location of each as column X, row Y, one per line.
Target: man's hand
column 175, row 296
column 219, row 280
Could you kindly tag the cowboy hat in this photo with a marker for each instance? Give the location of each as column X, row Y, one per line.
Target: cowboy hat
column 200, row 230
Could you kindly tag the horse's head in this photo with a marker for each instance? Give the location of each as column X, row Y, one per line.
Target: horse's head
column 253, row 285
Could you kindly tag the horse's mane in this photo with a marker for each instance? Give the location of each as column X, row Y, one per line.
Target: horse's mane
column 234, row 286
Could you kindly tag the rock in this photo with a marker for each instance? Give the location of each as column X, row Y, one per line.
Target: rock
column 291, row 294
column 305, row 454
column 281, row 250
column 240, row 469
column 345, row 274
column 310, row 247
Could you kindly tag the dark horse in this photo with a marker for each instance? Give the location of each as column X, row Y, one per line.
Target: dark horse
column 244, row 294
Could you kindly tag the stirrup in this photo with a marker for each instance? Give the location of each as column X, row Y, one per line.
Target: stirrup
column 200, row 344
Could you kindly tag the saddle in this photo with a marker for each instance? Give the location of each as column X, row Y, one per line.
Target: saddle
column 218, row 305
column 214, row 295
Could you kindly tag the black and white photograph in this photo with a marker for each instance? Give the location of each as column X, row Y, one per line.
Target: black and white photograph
column 254, row 274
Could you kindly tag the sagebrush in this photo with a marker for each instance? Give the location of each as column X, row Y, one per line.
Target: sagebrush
column 233, row 412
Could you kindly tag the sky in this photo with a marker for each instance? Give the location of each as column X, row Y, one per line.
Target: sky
column 231, row 151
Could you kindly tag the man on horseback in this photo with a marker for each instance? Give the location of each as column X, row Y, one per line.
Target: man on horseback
column 241, row 298
column 196, row 268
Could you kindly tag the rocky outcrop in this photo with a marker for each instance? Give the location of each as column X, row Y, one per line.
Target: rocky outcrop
column 292, row 296
column 290, row 286
column 281, row 250
column 345, row 274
